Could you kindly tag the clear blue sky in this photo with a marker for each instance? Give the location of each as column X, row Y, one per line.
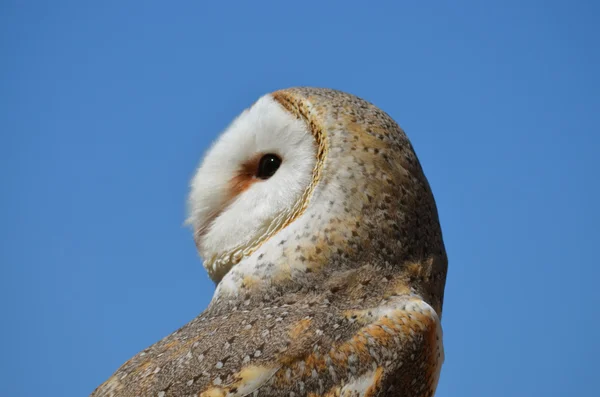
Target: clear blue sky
column 106, row 108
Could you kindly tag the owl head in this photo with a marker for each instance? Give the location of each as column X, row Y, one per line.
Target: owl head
column 306, row 179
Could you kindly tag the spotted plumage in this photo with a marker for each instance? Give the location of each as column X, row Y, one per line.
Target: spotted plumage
column 334, row 287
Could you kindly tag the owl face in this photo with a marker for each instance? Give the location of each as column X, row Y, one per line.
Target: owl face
column 250, row 183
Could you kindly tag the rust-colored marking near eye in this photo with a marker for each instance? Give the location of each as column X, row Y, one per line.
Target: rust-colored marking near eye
column 245, row 177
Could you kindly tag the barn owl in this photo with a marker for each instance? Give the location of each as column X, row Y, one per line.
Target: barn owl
column 314, row 218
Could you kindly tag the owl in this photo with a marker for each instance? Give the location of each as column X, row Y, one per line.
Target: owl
column 314, row 219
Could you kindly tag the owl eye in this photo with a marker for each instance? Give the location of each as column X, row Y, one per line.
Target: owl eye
column 268, row 165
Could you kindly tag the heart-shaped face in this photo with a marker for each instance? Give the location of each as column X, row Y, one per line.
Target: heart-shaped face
column 251, row 182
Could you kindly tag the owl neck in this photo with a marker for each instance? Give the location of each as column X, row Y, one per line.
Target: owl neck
column 340, row 287
column 321, row 247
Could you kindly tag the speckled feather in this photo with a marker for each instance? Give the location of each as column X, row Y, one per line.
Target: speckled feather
column 344, row 300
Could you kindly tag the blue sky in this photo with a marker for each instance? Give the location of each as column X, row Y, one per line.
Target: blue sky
column 107, row 107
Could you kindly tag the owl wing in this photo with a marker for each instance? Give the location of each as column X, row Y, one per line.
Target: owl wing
column 391, row 349
column 307, row 347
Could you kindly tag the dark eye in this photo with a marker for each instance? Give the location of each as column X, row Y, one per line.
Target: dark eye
column 268, row 165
